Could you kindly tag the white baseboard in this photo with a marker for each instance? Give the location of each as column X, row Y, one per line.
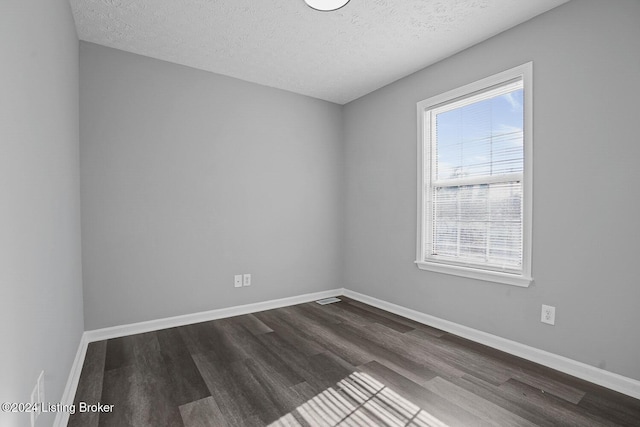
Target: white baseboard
column 581, row 370
column 204, row 316
column 613, row 381
column 69, row 393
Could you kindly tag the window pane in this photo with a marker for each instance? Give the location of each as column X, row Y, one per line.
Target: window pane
column 483, row 138
column 479, row 223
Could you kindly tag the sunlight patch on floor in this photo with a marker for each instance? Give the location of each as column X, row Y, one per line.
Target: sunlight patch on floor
column 360, row 401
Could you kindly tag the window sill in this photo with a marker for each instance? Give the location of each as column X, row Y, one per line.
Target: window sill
column 473, row 273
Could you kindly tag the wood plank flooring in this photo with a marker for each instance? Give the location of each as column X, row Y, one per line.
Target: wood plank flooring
column 346, row 364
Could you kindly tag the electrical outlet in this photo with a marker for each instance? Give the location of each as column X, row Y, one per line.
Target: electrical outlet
column 246, row 280
column 237, row 280
column 548, row 315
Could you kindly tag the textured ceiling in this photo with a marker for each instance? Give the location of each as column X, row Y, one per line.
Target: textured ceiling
column 337, row 56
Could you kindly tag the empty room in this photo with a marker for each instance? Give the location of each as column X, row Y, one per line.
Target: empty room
column 319, row 213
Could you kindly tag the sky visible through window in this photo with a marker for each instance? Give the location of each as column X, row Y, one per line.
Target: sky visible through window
column 484, row 138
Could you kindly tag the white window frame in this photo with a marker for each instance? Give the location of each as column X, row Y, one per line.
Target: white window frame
column 521, row 277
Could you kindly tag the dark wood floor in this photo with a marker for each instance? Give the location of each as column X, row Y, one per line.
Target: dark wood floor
column 340, row 364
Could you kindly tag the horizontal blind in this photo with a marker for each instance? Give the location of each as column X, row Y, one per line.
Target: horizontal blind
column 476, row 185
column 479, row 224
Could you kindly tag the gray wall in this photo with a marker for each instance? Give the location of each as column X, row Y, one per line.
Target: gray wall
column 586, row 207
column 40, row 274
column 189, row 177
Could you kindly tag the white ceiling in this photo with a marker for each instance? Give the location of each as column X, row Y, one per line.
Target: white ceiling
column 337, row 56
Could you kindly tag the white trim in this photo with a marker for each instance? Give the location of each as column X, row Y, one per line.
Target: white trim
column 475, row 180
column 476, row 273
column 613, row 381
column 527, row 207
column 69, row 393
column 472, row 93
column 204, row 316
column 451, row 99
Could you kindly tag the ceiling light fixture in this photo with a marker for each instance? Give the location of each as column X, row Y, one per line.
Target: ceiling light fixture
column 326, row 5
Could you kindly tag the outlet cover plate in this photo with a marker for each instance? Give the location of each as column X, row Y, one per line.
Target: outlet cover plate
column 548, row 314
column 237, row 280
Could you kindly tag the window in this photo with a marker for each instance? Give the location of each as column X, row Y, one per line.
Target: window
column 474, row 179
